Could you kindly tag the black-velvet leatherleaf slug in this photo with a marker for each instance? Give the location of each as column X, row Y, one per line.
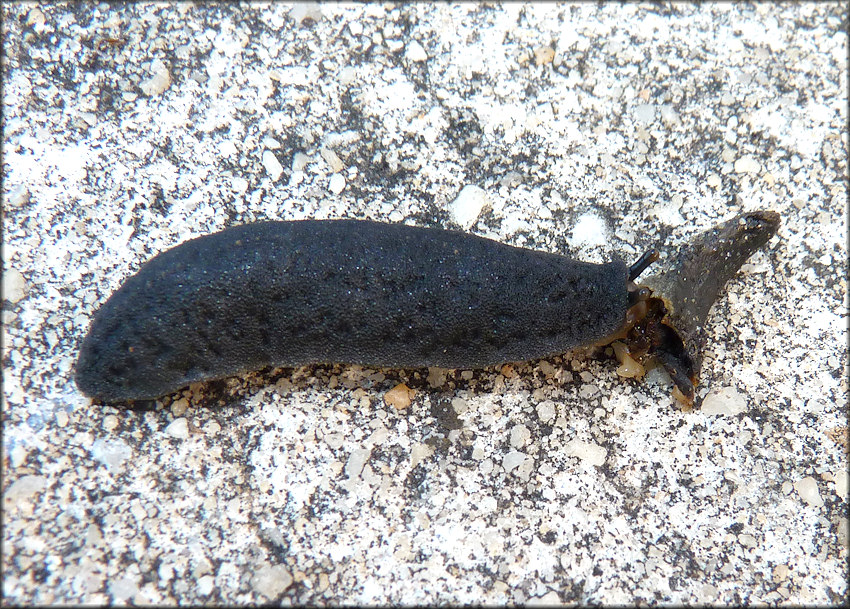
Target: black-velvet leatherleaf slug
column 391, row 295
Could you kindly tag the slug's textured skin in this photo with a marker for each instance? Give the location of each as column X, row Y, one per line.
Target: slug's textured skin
column 358, row 292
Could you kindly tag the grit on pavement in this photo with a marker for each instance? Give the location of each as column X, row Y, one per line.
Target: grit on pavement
column 598, row 130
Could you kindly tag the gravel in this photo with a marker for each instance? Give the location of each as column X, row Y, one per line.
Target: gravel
column 603, row 130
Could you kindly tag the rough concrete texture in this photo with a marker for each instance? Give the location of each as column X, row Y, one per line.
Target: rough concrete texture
column 600, row 130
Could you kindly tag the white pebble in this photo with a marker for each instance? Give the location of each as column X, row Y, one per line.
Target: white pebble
column 332, row 160
column 418, row 453
column 644, row 113
column 336, row 184
column 519, row 436
column 19, row 196
column 724, row 401
column 271, row 143
column 356, row 461
column 23, row 488
column 460, row 406
column 546, row 411
column 159, row 81
column 18, row 455
column 178, row 428
column 239, row 184
column 299, row 161
column 112, row 453
column 513, row 460
column 306, row 11
column 468, row 205
column 206, row 585
column 415, row 52
column 747, row 164
column 841, row 484
column 589, row 230
column 807, row 488
column 272, row 165
column 590, row 453
column 227, row 149
column 14, row 285
column 271, row 580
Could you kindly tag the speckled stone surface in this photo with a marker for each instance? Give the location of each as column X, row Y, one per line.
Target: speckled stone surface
column 600, row 130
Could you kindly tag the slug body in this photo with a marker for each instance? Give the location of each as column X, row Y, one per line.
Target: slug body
column 361, row 292
column 358, row 292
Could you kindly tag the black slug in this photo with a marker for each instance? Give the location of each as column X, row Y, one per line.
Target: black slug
column 391, row 295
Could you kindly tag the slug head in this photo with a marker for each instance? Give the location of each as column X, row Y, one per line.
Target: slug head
column 671, row 328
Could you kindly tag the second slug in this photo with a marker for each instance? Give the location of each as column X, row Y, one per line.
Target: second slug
column 362, row 292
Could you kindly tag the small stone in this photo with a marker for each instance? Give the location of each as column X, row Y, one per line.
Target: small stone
column 123, row 589
column 415, row 52
column 519, row 436
column 546, row 368
column 543, row 55
column 468, row 205
column 841, row 484
column 590, row 453
column 807, row 488
column 513, row 460
column 14, row 285
column 159, row 81
column 271, row 143
column 272, row 165
column 546, row 411
column 36, row 19
column 355, row 27
column 18, row 455
column 19, row 196
column 356, row 461
column 23, row 488
column 179, row 407
column 271, row 580
column 418, row 453
column 239, row 185
column 333, row 161
column 299, row 161
column 508, row 371
column 178, row 428
column 206, row 585
column 227, row 149
column 110, row 422
column 714, row 181
column 336, row 184
column 62, row 418
column 436, row 377
column 460, row 406
column 399, row 397
column 724, row 401
column 112, row 453
column 644, row 113
column 305, row 12
column 747, row 164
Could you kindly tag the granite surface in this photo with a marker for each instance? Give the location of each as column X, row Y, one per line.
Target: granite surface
column 600, row 130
